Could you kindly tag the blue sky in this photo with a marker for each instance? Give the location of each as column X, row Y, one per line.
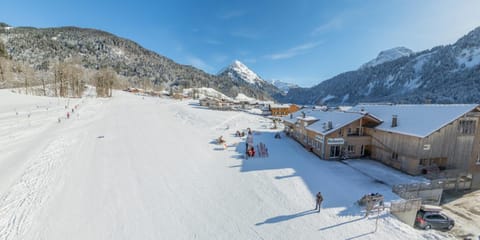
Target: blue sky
column 298, row 41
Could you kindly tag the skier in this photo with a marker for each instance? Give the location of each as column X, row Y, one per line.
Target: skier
column 68, row 115
column 319, row 201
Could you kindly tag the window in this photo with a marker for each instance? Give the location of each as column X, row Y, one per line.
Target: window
column 335, row 151
column 351, row 148
column 424, row 162
column 394, row 156
column 478, row 159
column 467, row 127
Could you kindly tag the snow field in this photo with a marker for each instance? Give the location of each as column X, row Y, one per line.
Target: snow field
column 156, row 173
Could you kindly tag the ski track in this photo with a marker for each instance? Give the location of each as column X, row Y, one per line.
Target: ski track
column 18, row 207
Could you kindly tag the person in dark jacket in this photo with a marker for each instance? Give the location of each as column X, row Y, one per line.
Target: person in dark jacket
column 318, row 206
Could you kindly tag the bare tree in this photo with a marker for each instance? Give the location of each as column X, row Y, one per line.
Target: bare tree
column 28, row 78
column 105, row 79
column 3, row 71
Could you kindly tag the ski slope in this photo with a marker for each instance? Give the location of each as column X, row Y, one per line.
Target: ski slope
column 134, row 167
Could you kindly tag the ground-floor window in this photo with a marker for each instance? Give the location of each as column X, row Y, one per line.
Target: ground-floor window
column 335, row 151
column 394, row 156
column 351, row 148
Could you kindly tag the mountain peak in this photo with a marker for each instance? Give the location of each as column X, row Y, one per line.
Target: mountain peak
column 4, row 25
column 237, row 63
column 284, row 86
column 239, row 71
column 388, row 55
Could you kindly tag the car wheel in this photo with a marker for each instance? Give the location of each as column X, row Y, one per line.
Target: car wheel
column 450, row 227
column 428, row 227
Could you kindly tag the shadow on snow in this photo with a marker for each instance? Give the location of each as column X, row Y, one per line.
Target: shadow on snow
column 340, row 184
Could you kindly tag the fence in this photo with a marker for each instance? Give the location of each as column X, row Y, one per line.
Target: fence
column 405, row 205
column 406, row 209
column 429, row 193
column 452, row 179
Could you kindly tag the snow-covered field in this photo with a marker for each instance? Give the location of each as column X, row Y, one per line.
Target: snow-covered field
column 135, row 167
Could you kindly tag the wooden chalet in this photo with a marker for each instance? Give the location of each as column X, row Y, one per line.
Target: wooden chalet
column 416, row 139
column 282, row 109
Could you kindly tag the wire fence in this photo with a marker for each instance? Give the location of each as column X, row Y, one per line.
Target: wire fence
column 405, row 205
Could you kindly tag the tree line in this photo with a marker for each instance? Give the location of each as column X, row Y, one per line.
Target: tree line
column 65, row 78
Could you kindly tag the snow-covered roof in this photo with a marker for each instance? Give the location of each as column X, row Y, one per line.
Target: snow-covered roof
column 418, row 120
column 338, row 118
column 243, row 97
column 307, row 118
column 280, row 106
column 293, row 117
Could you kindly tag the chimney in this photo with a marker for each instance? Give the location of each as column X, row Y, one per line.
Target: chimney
column 329, row 125
column 394, row 120
column 303, row 114
column 291, row 116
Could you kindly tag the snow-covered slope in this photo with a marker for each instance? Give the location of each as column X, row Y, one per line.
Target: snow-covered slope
column 284, row 86
column 388, row 55
column 135, row 167
column 443, row 74
column 240, row 72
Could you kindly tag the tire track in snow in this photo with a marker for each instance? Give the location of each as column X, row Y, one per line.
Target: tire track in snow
column 20, row 205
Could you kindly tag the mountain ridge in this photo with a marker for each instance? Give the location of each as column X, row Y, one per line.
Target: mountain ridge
column 43, row 48
column 442, row 74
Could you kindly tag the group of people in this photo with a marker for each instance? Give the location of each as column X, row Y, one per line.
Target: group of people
column 239, row 134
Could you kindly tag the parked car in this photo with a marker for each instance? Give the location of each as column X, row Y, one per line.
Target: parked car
column 433, row 219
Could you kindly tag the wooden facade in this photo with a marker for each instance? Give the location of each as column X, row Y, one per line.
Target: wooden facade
column 453, row 146
column 348, row 141
column 283, row 110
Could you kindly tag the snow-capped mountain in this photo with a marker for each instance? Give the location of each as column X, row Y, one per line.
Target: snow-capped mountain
column 240, row 73
column 42, row 48
column 388, row 55
column 443, row 74
column 284, row 86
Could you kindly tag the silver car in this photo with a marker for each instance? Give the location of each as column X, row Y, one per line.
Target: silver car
column 437, row 220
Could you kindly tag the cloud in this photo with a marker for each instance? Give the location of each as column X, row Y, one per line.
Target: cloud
column 294, row 51
column 333, row 24
column 198, row 63
column 232, row 14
